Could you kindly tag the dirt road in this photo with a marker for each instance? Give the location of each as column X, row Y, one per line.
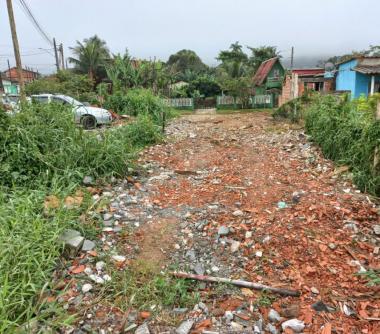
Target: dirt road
column 239, row 196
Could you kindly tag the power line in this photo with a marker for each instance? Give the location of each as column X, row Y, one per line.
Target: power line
column 29, row 13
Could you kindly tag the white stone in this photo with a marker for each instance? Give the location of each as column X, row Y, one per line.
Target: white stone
column 97, row 279
column 238, row 213
column 214, row 269
column 259, row 254
column 273, row 316
column 88, row 271
column 106, row 278
column 376, row 229
column 295, row 324
column 185, row 327
column 86, row 287
column 119, row 258
column 314, row 290
column 236, row 326
column 235, row 246
column 100, row 265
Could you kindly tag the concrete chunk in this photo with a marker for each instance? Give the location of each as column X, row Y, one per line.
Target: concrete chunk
column 185, row 327
column 73, row 242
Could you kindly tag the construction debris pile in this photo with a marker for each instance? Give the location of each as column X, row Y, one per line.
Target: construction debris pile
column 244, row 199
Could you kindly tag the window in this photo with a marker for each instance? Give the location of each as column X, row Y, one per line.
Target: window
column 276, row 73
column 59, row 100
column 318, row 86
column 41, row 99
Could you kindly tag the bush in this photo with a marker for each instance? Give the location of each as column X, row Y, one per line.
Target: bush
column 294, row 109
column 42, row 143
column 64, row 82
column 138, row 101
column 349, row 134
column 43, row 153
column 143, row 132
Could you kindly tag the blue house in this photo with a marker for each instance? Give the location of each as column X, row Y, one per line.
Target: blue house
column 359, row 75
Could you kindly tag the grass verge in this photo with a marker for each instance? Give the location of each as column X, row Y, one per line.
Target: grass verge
column 44, row 154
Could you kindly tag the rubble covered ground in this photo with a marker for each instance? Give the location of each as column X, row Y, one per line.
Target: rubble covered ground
column 241, row 197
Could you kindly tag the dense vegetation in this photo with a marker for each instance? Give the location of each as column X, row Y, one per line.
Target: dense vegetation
column 43, row 159
column 349, row 134
column 347, row 131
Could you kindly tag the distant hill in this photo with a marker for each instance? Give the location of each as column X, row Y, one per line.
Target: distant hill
column 304, row 61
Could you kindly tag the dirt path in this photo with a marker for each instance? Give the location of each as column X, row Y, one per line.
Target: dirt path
column 238, row 196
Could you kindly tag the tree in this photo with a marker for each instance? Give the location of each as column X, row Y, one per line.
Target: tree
column 91, row 57
column 238, row 88
column 206, row 85
column 234, row 61
column 260, row 54
column 372, row 51
column 64, row 82
column 124, row 72
column 184, row 61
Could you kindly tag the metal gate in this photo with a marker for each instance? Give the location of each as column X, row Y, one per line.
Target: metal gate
column 205, row 102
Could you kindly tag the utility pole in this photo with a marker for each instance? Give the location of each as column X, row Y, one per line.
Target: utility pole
column 56, row 54
column 9, row 70
column 16, row 49
column 292, row 58
column 62, row 58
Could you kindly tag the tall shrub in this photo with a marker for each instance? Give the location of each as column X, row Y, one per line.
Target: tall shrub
column 349, row 134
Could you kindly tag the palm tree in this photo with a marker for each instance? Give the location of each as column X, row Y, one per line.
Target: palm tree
column 91, row 56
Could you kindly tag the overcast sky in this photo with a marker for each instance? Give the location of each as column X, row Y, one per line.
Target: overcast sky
column 158, row 28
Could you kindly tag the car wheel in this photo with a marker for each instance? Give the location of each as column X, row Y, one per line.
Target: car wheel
column 88, row 122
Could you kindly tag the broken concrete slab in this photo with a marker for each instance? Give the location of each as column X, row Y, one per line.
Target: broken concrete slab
column 73, row 242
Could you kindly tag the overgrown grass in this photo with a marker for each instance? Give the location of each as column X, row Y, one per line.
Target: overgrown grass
column 42, row 144
column 294, row 110
column 42, row 152
column 348, row 133
column 139, row 102
column 28, row 254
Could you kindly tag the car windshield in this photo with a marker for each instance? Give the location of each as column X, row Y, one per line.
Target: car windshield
column 70, row 100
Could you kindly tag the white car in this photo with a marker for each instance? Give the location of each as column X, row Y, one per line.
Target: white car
column 88, row 116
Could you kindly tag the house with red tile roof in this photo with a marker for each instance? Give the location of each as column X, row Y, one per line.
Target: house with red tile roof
column 268, row 79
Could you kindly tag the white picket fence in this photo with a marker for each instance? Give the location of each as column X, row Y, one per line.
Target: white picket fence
column 225, row 100
column 179, row 102
column 262, row 99
column 230, row 100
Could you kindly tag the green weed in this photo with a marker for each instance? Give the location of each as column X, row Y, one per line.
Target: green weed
column 373, row 277
column 265, row 299
column 143, row 287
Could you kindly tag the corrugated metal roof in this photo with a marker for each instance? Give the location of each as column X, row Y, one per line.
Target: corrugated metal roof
column 356, row 57
column 367, row 69
column 308, row 71
column 368, row 65
column 263, row 71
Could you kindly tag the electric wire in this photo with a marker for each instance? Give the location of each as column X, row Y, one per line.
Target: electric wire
column 29, row 13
